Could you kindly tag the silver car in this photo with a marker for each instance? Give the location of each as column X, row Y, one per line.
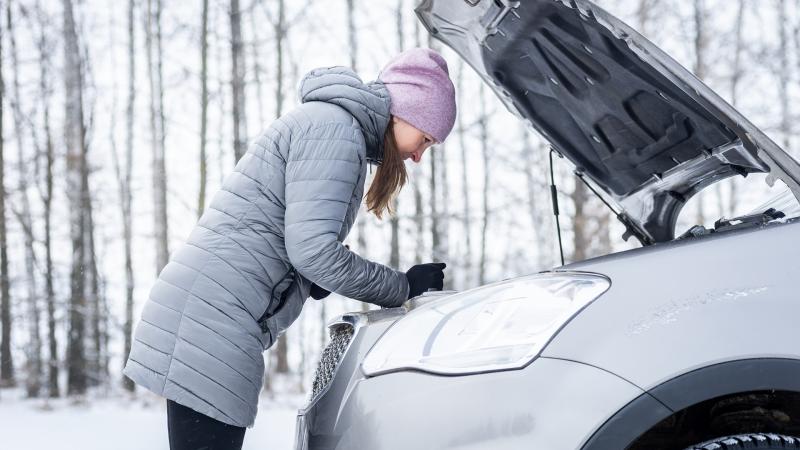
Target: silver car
column 691, row 341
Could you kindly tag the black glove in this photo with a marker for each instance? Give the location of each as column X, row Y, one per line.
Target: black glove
column 421, row 277
column 318, row 293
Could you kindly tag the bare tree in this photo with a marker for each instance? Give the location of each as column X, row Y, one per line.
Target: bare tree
column 644, row 12
column 352, row 41
column 77, row 181
column 257, row 67
column 281, row 351
column 433, row 201
column 700, row 69
column 537, row 190
column 443, row 252
column 33, row 363
column 237, row 81
column 736, row 77
column 44, row 47
column 157, row 128
column 438, row 195
column 783, row 75
column 201, row 196
column 580, row 219
column 96, row 356
column 280, row 27
column 483, row 124
column 219, row 94
column 124, row 187
column 416, row 183
column 466, row 260
column 394, row 220
column 6, row 363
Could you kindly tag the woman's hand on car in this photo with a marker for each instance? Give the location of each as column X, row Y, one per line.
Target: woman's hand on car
column 422, row 277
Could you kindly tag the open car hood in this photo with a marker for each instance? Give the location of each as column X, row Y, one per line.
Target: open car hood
column 639, row 127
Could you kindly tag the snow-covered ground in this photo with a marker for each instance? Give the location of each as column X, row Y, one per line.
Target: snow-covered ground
column 123, row 424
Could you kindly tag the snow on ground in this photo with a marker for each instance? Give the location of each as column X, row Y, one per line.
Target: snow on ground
column 123, row 424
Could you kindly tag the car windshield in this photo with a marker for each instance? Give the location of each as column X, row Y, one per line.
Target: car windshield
column 784, row 202
column 737, row 203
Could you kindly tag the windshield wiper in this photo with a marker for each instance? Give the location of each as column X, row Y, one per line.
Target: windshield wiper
column 748, row 220
column 735, row 223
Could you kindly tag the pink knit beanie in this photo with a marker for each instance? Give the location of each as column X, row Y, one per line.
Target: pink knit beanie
column 421, row 91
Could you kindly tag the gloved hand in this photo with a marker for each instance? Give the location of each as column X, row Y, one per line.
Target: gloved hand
column 318, row 293
column 421, row 277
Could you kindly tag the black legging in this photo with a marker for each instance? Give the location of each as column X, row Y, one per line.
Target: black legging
column 191, row 430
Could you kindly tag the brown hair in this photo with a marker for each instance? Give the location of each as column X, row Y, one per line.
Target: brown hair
column 389, row 178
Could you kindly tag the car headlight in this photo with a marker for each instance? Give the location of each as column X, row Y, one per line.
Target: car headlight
column 499, row 326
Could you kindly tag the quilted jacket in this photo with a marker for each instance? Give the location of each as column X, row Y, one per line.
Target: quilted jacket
column 275, row 227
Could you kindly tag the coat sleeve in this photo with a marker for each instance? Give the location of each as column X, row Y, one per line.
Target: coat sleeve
column 322, row 173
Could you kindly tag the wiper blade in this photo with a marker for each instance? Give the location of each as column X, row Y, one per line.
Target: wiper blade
column 749, row 220
column 723, row 224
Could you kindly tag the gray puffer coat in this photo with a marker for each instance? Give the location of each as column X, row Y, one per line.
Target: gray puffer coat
column 275, row 227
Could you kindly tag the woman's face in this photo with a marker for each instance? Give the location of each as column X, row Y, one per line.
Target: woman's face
column 411, row 142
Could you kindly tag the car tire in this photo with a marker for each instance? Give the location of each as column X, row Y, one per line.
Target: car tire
column 761, row 441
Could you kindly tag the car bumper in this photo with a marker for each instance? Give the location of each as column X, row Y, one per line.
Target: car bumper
column 550, row 404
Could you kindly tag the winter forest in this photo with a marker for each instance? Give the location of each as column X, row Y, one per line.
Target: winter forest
column 119, row 121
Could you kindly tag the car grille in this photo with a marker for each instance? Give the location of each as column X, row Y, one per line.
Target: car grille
column 341, row 335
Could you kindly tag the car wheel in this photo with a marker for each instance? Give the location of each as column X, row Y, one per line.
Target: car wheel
column 764, row 441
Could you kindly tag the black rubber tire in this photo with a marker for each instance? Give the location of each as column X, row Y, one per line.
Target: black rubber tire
column 761, row 441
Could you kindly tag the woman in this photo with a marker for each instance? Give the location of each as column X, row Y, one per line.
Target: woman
column 273, row 235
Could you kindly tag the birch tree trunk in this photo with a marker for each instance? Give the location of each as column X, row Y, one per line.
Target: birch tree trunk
column 282, row 347
column 416, row 182
column 257, row 68
column 6, row 363
column 280, row 36
column 466, row 212
column 219, row 94
column 95, row 372
column 433, row 200
column 158, row 132
column 53, row 390
column 237, row 81
column 363, row 216
column 484, row 143
column 536, row 190
column 643, row 15
column 201, row 196
column 580, row 229
column 444, row 220
column 735, row 79
column 700, row 46
column 439, row 196
column 33, row 364
column 74, row 139
column 125, row 191
column 783, row 76
column 394, row 220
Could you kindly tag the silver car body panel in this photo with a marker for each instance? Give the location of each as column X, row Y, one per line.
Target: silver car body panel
column 500, row 410
column 679, row 306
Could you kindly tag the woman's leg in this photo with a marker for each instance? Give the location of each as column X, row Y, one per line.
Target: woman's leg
column 191, row 430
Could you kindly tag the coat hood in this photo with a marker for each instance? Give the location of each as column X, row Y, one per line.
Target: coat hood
column 367, row 102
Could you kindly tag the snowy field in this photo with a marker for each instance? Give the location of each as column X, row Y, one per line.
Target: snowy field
column 123, row 424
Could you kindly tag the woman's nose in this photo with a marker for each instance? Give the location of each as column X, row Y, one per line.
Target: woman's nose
column 417, row 155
